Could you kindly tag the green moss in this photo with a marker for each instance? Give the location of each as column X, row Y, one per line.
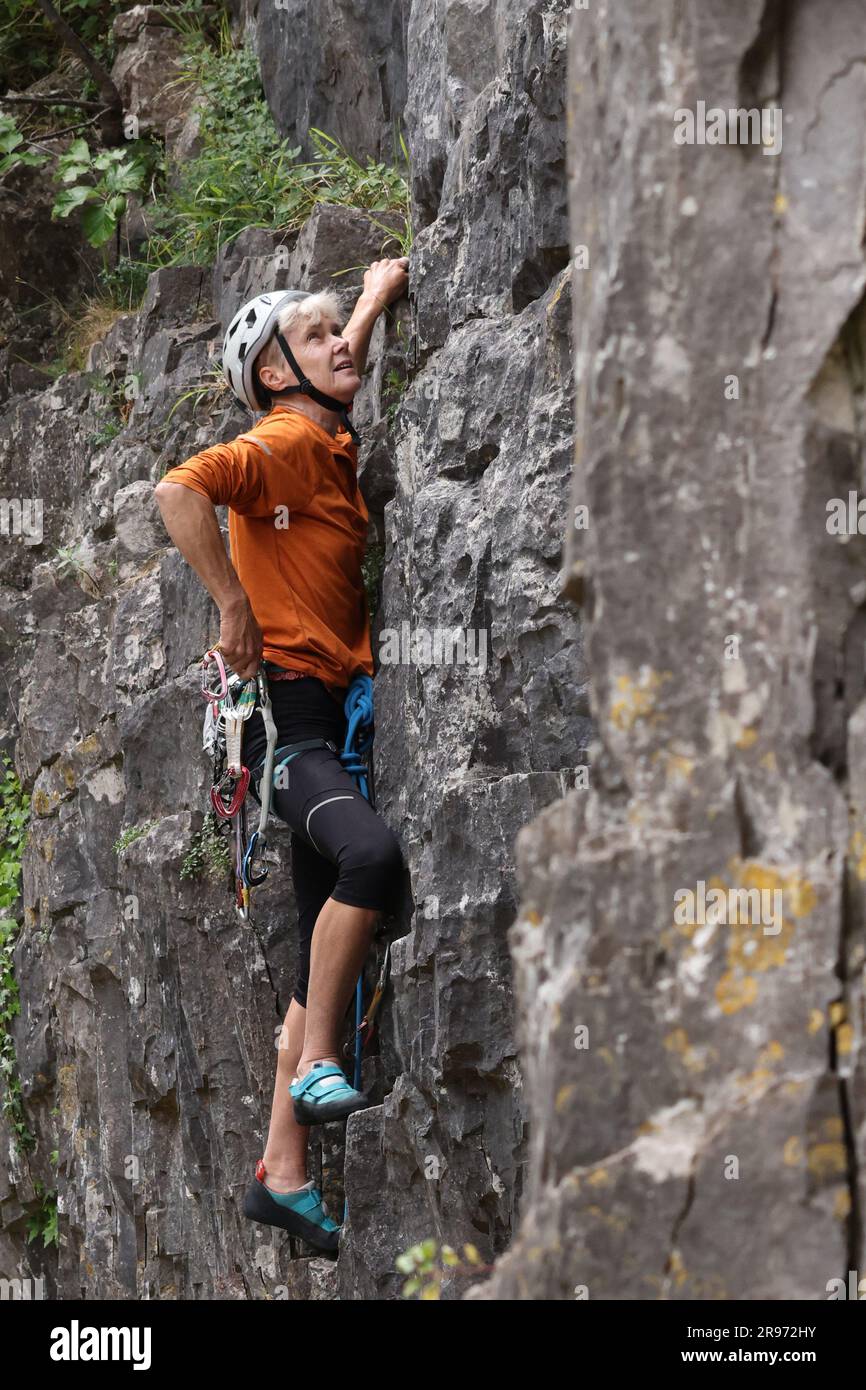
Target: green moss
column 14, row 815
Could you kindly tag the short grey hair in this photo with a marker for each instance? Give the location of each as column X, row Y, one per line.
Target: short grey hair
column 312, row 310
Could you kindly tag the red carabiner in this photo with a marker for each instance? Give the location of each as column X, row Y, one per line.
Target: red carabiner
column 228, row 809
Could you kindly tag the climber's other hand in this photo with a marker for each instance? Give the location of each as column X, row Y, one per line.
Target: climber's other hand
column 240, row 637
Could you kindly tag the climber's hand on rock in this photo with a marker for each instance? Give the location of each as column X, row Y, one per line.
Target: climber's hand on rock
column 387, row 280
column 240, row 637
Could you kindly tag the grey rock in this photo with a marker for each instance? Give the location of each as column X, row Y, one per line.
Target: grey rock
column 145, row 71
column 700, row 1140
column 45, row 265
column 339, row 68
column 467, row 415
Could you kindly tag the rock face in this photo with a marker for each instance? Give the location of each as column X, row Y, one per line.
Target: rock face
column 341, row 68
column 149, row 1013
column 45, row 266
column 147, row 67
column 696, row 1088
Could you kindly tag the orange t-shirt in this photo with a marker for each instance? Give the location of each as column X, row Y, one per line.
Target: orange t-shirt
column 297, row 535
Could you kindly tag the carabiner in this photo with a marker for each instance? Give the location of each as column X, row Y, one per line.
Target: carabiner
column 253, row 879
column 242, row 902
column 213, row 658
column 227, row 809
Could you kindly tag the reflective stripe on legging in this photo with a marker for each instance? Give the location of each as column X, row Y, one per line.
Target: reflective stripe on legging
column 319, row 807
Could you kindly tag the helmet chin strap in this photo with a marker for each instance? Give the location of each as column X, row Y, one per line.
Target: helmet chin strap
column 306, row 388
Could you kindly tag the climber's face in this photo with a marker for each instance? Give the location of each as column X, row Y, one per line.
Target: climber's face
column 325, row 357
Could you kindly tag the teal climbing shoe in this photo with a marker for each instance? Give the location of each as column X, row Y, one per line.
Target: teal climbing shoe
column 301, row 1213
column 325, row 1094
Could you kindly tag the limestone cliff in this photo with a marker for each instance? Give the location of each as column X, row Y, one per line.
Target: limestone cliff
column 149, row 1014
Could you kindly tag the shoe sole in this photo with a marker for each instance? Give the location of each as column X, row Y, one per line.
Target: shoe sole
column 320, row 1112
column 258, row 1206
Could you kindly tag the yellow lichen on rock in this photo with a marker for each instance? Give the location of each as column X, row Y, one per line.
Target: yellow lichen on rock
column 793, row 1154
column 563, row 1096
column 637, row 699
column 827, row 1160
column 842, row 1204
column 734, row 993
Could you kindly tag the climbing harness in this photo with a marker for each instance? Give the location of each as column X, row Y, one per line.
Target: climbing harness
column 230, row 702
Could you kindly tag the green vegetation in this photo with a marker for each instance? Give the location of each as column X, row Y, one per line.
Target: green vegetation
column 29, row 43
column 131, row 834
column 244, row 174
column 67, row 561
column 13, row 151
column 426, row 1272
column 372, row 566
column 208, row 854
column 393, row 387
column 100, row 184
column 118, row 399
column 211, row 391
column 44, row 1221
column 14, row 814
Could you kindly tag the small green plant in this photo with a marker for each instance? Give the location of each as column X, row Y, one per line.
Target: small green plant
column 394, row 385
column 110, row 430
column 119, row 397
column 131, row 834
column 10, row 1007
column 103, row 181
column 44, row 1221
column 14, row 815
column 125, row 283
column 11, row 153
column 212, row 391
column 188, row 17
column 67, row 561
column 208, row 854
column 426, row 1271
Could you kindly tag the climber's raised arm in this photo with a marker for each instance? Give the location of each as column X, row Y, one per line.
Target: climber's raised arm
column 384, row 282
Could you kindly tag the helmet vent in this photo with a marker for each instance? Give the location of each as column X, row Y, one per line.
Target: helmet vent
column 251, row 318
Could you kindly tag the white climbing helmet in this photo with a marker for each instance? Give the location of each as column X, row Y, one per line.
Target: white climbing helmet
column 245, row 337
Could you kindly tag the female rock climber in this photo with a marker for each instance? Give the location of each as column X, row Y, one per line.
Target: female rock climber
column 292, row 596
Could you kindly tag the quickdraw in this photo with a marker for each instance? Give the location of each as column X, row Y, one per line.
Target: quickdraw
column 364, row 1028
column 231, row 701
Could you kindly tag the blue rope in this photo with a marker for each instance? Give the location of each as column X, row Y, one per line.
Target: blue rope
column 359, row 740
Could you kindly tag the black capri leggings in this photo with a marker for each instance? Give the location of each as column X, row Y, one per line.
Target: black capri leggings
column 341, row 847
